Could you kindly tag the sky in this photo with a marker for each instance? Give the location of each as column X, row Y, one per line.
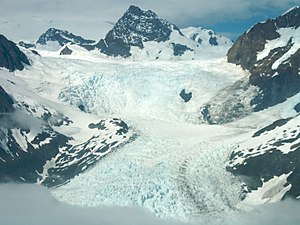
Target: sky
column 25, row 204
column 92, row 19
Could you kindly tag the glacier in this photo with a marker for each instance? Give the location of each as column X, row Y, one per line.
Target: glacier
column 174, row 166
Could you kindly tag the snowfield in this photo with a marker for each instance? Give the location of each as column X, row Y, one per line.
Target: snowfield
column 174, row 166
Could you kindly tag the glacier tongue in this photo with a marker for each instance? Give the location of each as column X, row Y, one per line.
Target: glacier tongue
column 171, row 169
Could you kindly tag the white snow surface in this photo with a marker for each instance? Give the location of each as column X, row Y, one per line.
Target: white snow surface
column 164, row 50
column 175, row 167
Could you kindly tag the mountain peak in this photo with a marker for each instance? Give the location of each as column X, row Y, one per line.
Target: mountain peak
column 135, row 27
column 290, row 18
column 137, row 11
column 134, row 9
column 295, row 9
column 62, row 37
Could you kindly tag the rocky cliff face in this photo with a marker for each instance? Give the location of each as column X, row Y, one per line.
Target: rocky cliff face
column 270, row 51
column 11, row 57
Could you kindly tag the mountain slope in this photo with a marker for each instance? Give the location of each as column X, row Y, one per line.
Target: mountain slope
column 269, row 163
column 47, row 143
column 270, row 51
column 11, row 57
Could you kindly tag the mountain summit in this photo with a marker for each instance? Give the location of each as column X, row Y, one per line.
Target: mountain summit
column 133, row 29
column 143, row 34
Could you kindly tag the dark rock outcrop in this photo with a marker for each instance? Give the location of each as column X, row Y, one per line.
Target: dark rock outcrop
column 186, row 96
column 133, row 29
column 179, row 49
column 11, row 57
column 6, row 102
column 66, row 51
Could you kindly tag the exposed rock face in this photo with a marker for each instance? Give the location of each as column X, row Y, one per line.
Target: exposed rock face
column 269, row 162
column 179, row 49
column 6, row 102
column 133, row 29
column 11, row 57
column 62, row 37
column 274, row 66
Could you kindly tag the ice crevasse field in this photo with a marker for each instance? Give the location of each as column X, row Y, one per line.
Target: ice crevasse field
column 174, row 166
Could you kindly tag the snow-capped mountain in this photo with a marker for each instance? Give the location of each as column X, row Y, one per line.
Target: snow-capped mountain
column 133, row 29
column 270, row 51
column 57, row 38
column 11, row 57
column 142, row 34
column 206, row 37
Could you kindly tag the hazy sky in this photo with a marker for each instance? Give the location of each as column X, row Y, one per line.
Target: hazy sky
column 34, row 205
column 26, row 19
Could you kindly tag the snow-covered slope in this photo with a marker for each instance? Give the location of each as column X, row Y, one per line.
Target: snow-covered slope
column 207, row 37
column 143, row 35
column 42, row 141
column 269, row 162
